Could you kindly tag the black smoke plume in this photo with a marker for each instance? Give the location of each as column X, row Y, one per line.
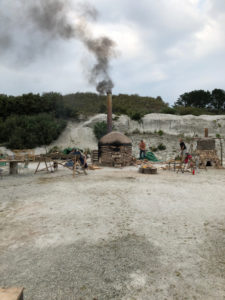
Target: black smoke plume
column 51, row 20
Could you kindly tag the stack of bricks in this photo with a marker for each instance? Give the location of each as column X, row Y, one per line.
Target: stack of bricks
column 94, row 157
column 114, row 156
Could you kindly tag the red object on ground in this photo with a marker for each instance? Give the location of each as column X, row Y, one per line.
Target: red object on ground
column 193, row 172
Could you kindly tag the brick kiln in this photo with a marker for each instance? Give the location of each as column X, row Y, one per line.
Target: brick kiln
column 206, row 150
column 115, row 150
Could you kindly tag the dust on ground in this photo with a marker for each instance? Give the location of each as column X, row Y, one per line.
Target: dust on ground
column 114, row 234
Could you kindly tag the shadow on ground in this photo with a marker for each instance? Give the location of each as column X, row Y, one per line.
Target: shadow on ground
column 80, row 270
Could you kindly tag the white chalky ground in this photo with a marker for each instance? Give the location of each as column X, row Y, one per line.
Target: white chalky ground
column 114, row 234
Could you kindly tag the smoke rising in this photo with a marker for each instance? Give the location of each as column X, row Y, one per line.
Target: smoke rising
column 49, row 20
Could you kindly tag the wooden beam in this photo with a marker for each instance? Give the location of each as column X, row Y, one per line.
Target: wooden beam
column 11, row 294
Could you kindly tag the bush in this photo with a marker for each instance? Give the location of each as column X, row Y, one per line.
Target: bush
column 154, row 149
column 100, row 129
column 24, row 132
column 181, row 110
column 160, row 133
column 161, row 147
column 54, row 150
column 168, row 110
column 136, row 116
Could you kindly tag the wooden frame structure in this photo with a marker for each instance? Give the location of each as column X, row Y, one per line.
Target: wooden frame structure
column 51, row 165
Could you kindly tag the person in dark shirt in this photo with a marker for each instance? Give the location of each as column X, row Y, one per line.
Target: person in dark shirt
column 82, row 157
column 183, row 149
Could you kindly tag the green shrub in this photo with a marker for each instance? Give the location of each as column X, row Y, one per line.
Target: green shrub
column 160, row 132
column 136, row 116
column 161, row 147
column 24, row 132
column 100, row 129
column 218, row 135
column 54, row 150
column 168, row 110
column 154, row 149
column 181, row 110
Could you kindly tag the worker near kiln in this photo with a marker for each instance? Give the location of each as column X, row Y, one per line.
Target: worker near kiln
column 183, row 148
column 142, row 148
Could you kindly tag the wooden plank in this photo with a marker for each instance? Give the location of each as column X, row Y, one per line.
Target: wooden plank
column 11, row 294
column 37, row 167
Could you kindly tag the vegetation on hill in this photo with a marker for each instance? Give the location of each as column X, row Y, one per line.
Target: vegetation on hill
column 91, row 103
column 33, row 120
column 200, row 101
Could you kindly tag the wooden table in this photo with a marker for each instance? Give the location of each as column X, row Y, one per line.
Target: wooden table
column 11, row 294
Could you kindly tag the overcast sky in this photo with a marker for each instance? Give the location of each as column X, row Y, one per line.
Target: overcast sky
column 163, row 48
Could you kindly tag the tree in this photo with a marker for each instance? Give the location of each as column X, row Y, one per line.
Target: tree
column 218, row 100
column 100, row 129
column 198, row 98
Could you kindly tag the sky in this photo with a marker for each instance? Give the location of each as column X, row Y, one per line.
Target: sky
column 162, row 48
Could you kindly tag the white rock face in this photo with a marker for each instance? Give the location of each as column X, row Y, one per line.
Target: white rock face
column 174, row 125
column 80, row 134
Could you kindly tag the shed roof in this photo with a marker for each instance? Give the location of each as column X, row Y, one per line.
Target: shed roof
column 115, row 138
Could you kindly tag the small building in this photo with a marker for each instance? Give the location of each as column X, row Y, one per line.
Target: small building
column 115, row 150
column 206, row 150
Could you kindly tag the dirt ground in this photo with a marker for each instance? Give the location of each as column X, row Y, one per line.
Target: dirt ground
column 114, row 234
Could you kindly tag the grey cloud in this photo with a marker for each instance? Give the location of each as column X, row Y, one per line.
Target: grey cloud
column 48, row 20
column 159, row 27
column 218, row 7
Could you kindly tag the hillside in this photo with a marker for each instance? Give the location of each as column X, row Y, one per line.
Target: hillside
column 155, row 129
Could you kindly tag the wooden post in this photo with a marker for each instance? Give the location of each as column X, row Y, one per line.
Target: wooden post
column 37, row 167
column 221, row 151
column 74, row 167
column 46, row 165
column 206, row 132
column 13, row 167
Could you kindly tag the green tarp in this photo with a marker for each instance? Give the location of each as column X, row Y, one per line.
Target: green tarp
column 151, row 157
column 68, row 150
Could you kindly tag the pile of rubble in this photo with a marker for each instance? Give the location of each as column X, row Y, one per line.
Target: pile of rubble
column 147, row 168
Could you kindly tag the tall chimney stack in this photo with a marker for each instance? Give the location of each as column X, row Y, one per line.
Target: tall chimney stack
column 109, row 111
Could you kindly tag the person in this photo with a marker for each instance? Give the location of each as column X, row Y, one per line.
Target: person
column 182, row 148
column 82, row 157
column 187, row 160
column 142, row 148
